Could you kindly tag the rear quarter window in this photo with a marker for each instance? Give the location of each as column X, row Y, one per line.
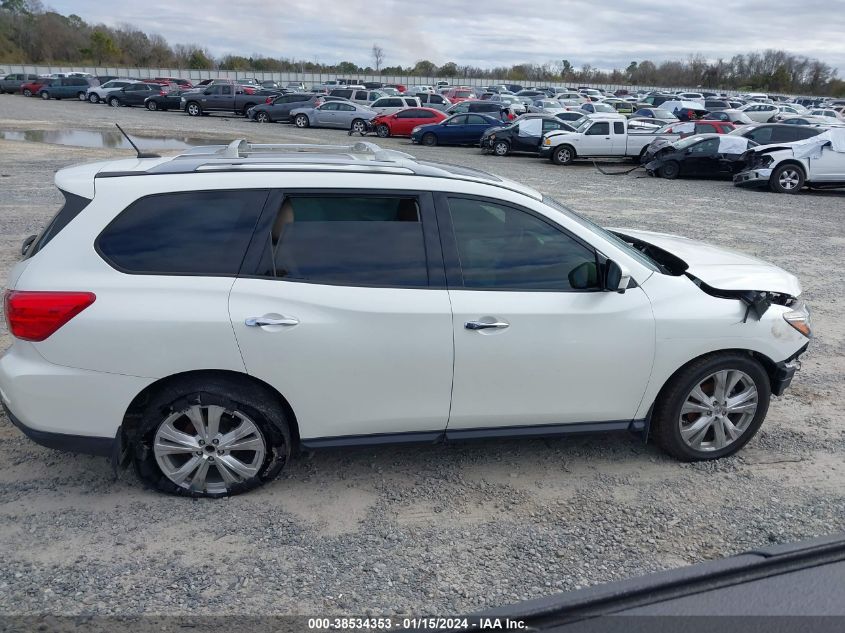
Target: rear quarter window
column 185, row 233
column 72, row 207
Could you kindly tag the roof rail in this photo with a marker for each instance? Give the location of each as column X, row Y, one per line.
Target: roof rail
column 240, row 148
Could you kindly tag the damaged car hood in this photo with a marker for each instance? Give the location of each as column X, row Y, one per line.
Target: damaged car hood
column 718, row 267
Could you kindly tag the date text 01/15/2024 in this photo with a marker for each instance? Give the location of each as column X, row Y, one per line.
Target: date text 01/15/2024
column 416, row 624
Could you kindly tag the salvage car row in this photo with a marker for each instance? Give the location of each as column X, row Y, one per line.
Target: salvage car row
column 754, row 140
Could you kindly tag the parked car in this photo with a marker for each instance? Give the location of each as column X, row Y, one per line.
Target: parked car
column 817, row 162
column 570, row 116
column 31, row 88
column 716, row 105
column 597, row 107
column 804, row 120
column 549, row 106
column 458, row 129
column 462, row 93
column 168, row 101
column 403, row 122
column 693, row 96
column 135, row 94
column 493, row 108
column 96, row 94
column 183, row 84
column 523, row 135
column 358, row 95
column 771, row 133
column 511, row 102
column 656, row 113
column 279, row 108
column 389, row 105
column 345, row 115
column 736, row 117
column 760, row 112
column 620, row 105
column 295, row 86
column 222, row 97
column 322, row 278
column 12, row 83
column 828, row 113
column 703, row 155
column 67, row 88
column 429, row 100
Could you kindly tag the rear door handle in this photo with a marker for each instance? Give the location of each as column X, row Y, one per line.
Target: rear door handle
column 259, row 321
column 482, row 325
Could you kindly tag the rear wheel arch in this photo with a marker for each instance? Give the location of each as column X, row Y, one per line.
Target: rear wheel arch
column 179, row 384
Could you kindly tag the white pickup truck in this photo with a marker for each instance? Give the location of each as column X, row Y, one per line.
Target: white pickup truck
column 598, row 136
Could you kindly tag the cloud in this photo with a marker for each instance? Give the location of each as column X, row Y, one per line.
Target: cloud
column 488, row 33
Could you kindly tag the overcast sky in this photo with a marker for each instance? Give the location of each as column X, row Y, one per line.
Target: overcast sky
column 484, row 32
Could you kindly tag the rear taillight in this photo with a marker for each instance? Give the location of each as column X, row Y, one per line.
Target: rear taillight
column 35, row 316
column 162, row 93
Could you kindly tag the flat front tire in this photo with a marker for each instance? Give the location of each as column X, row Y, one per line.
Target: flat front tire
column 211, row 439
column 712, row 406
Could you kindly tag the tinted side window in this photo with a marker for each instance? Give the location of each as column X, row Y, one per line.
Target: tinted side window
column 762, row 135
column 199, row 232
column 618, row 127
column 599, row 129
column 361, row 240
column 501, row 247
column 704, row 128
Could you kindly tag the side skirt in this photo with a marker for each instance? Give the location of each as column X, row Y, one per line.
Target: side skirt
column 638, row 427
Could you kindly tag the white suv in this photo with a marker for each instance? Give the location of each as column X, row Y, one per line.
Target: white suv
column 204, row 315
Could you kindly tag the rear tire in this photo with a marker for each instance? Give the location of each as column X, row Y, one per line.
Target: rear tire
column 81, row 96
column 173, row 456
column 787, row 179
column 669, row 170
column 359, row 126
column 675, row 430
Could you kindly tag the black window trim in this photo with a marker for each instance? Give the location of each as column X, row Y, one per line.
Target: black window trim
column 126, row 271
column 449, row 245
column 435, row 266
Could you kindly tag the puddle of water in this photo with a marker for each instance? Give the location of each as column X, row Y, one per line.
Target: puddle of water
column 103, row 138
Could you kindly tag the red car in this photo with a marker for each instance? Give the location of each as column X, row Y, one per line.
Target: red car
column 401, row 123
column 460, row 93
column 182, row 84
column 31, row 88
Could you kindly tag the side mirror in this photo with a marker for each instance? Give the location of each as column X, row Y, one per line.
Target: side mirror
column 616, row 277
column 27, row 243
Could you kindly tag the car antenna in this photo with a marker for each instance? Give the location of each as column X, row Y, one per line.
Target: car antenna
column 135, row 147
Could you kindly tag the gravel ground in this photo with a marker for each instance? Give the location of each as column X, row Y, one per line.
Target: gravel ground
column 439, row 529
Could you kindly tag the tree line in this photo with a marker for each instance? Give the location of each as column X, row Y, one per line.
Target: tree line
column 30, row 34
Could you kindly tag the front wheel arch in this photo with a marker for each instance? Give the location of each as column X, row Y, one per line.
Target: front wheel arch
column 177, row 383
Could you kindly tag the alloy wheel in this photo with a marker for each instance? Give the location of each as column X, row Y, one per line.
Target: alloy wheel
column 718, row 410
column 789, row 179
column 209, row 448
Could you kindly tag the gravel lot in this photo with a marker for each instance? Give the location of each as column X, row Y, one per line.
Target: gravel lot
column 432, row 529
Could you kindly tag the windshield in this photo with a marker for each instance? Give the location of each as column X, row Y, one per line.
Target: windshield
column 604, row 233
column 660, row 113
column 603, row 107
column 687, row 142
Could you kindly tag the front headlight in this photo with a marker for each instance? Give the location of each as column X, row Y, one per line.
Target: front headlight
column 416, row 129
column 547, row 141
column 799, row 318
column 492, row 137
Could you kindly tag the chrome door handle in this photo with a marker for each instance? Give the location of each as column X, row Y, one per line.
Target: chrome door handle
column 481, row 325
column 259, row 321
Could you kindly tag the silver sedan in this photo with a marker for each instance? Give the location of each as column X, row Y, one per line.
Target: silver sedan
column 338, row 114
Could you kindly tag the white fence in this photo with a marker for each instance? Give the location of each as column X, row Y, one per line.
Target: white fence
column 308, row 79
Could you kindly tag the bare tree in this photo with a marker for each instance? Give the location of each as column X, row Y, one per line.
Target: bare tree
column 378, row 56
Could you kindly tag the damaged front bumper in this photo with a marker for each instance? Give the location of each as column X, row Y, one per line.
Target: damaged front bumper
column 785, row 372
column 753, row 177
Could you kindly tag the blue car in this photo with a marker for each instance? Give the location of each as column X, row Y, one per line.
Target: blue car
column 459, row 129
column 655, row 113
